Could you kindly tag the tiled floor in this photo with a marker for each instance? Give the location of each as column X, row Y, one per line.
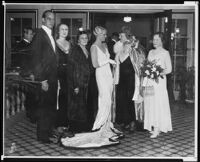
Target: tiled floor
column 178, row 143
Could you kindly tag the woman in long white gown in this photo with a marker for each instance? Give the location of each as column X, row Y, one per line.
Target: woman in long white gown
column 156, row 107
column 103, row 132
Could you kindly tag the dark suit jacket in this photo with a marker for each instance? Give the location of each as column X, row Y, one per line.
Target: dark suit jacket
column 44, row 67
column 110, row 45
column 21, row 46
column 21, row 55
column 44, row 63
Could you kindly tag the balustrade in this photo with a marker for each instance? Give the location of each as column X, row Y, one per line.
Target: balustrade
column 14, row 99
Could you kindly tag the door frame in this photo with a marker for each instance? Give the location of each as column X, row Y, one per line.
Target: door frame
column 165, row 14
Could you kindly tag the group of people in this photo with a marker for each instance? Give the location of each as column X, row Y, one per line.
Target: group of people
column 96, row 90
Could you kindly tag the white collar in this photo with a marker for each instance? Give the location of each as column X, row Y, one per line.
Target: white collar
column 114, row 40
column 46, row 29
column 119, row 42
column 26, row 40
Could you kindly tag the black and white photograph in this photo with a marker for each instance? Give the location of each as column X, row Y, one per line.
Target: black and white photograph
column 100, row 81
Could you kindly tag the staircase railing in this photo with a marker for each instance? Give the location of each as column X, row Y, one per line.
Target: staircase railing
column 14, row 99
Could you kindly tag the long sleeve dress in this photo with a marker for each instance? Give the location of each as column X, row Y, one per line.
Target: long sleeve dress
column 156, row 107
column 79, row 78
column 63, row 72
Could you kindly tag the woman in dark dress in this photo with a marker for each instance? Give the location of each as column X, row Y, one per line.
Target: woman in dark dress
column 64, row 47
column 125, row 108
column 92, row 87
column 78, row 85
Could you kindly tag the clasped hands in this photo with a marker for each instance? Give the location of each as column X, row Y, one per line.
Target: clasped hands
column 112, row 62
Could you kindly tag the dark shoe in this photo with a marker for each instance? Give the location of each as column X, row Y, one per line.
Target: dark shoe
column 113, row 139
column 95, row 130
column 120, row 136
column 126, row 127
column 54, row 139
column 118, row 133
column 67, row 134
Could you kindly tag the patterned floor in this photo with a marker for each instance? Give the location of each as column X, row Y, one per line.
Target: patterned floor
column 178, row 143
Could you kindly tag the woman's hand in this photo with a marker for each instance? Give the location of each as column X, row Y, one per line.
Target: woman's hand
column 112, row 62
column 162, row 73
column 76, row 90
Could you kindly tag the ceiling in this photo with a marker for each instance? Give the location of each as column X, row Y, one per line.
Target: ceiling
column 107, row 8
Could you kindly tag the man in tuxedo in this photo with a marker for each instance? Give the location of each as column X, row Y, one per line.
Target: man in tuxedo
column 22, row 52
column 44, row 68
column 22, row 56
column 27, row 38
column 111, row 43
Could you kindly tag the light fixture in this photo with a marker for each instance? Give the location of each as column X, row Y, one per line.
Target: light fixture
column 127, row 19
column 166, row 19
column 80, row 29
column 177, row 30
column 172, row 36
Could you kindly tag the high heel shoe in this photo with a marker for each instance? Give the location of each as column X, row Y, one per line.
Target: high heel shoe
column 126, row 127
column 155, row 134
column 151, row 132
column 114, row 139
column 118, row 133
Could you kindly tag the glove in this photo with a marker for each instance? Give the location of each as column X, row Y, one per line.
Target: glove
column 112, row 62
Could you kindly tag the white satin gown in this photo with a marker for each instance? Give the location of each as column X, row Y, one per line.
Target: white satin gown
column 157, row 108
column 103, row 127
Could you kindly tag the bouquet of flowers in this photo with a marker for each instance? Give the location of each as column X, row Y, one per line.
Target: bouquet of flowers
column 151, row 70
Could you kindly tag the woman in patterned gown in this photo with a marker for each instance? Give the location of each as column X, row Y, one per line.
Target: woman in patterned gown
column 103, row 132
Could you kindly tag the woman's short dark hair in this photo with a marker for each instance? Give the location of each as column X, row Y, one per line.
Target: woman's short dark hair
column 80, row 33
column 162, row 36
column 45, row 13
column 58, row 28
column 127, row 31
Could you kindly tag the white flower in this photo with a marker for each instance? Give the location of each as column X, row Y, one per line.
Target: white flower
column 148, row 65
column 147, row 72
column 151, row 75
column 154, row 69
